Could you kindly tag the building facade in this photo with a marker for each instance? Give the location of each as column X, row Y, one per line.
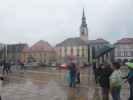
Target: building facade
column 72, row 47
column 124, row 49
column 1, row 51
column 13, row 51
column 41, row 52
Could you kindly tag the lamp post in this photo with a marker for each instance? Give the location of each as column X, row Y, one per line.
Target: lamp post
column 5, row 57
column 5, row 53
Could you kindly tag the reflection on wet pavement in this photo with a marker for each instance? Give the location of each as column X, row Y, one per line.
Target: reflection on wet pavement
column 49, row 86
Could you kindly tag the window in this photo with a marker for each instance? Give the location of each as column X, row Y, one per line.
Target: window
column 59, row 52
column 131, row 53
column 125, row 53
column 122, row 53
column 119, row 53
column 82, row 51
column 77, row 51
column 65, row 50
column 71, row 50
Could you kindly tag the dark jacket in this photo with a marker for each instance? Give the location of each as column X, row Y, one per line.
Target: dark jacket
column 72, row 68
column 104, row 74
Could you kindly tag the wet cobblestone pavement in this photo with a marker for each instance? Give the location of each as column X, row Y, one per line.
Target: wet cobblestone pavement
column 51, row 85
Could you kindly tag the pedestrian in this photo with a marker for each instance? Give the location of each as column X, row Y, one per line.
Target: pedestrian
column 116, row 81
column 9, row 67
column 1, row 79
column 94, row 67
column 68, row 77
column 72, row 68
column 97, row 69
column 129, row 79
column 5, row 67
column 78, row 70
column 21, row 63
column 104, row 73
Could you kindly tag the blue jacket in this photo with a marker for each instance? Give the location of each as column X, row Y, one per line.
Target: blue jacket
column 130, row 76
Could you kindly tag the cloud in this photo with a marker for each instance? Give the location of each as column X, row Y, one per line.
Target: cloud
column 56, row 20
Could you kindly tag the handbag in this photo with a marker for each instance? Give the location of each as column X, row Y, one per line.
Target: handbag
column 68, row 77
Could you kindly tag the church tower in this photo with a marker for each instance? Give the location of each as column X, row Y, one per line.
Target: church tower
column 84, row 29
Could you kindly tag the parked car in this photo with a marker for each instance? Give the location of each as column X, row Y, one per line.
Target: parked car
column 32, row 64
column 63, row 66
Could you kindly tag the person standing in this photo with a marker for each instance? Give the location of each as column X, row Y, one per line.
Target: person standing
column 104, row 73
column 1, row 79
column 78, row 70
column 94, row 67
column 129, row 79
column 72, row 69
column 116, row 81
column 9, row 66
column 21, row 63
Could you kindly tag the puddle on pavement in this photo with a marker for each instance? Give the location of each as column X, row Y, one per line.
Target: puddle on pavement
column 33, row 89
column 13, row 90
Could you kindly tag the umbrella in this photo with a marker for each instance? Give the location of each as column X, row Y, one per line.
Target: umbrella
column 129, row 64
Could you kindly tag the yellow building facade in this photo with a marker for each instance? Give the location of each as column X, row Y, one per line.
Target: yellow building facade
column 40, row 52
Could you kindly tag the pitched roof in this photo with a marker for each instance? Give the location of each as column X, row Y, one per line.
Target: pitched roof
column 97, row 41
column 125, row 41
column 72, row 42
column 41, row 46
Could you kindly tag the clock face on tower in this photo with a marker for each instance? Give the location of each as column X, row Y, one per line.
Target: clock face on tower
column 84, row 31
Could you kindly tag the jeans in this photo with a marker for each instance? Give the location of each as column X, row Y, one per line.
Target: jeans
column 72, row 82
column 116, row 93
column 105, row 93
column 131, row 92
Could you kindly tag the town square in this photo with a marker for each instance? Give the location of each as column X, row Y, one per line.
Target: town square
column 66, row 50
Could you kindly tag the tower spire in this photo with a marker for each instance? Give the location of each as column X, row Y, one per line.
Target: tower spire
column 83, row 28
column 84, row 19
column 83, row 13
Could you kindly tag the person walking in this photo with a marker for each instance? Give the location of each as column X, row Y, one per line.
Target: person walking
column 129, row 79
column 104, row 73
column 5, row 67
column 116, row 81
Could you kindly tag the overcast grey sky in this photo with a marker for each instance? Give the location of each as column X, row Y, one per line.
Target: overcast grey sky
column 55, row 20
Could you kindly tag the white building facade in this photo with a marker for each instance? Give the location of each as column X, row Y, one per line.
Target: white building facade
column 124, row 49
